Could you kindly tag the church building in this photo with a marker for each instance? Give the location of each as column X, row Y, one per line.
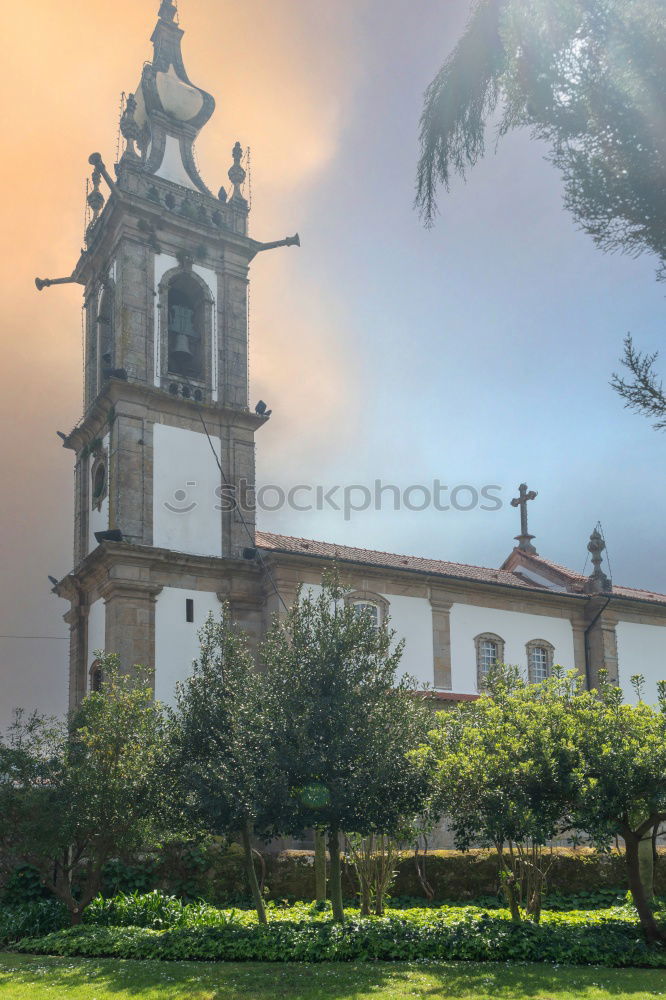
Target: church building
column 165, row 278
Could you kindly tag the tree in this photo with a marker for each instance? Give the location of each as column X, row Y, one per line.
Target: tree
column 644, row 392
column 587, row 78
column 344, row 723
column 504, row 773
column 222, row 748
column 622, row 789
column 74, row 793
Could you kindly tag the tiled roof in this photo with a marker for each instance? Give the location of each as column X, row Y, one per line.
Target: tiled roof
column 576, row 581
column 437, row 567
column 370, row 557
column 451, row 696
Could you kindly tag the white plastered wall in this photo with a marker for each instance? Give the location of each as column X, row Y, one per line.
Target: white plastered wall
column 96, row 634
column 186, row 517
column 515, row 628
column 641, row 649
column 411, row 620
column 176, row 640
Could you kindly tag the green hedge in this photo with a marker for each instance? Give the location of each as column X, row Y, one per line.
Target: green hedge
column 216, row 873
column 455, row 876
column 424, row 934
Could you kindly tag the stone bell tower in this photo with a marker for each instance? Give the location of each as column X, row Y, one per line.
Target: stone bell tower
column 165, row 446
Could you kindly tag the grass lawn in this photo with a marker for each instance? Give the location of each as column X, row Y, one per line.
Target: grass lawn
column 27, row 977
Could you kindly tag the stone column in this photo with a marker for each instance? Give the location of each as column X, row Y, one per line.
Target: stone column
column 441, row 642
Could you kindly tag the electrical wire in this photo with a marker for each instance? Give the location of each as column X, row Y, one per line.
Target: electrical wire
column 249, row 531
column 60, row 638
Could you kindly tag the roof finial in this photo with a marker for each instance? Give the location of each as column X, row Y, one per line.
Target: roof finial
column 597, row 582
column 237, row 173
column 524, row 539
column 168, row 11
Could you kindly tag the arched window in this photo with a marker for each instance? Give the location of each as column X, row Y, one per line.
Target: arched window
column 489, row 651
column 365, row 602
column 370, row 609
column 186, row 318
column 96, row 676
column 539, row 660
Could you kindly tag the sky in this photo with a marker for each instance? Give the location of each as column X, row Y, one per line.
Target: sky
column 475, row 353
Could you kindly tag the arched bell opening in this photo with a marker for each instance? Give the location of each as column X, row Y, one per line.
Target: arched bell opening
column 186, row 317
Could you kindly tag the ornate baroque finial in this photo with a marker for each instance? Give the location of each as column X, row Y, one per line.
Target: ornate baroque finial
column 168, row 11
column 95, row 198
column 129, row 128
column 598, row 582
column 236, row 173
column 524, row 539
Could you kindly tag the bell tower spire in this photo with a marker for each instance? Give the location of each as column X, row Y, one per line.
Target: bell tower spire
column 167, row 111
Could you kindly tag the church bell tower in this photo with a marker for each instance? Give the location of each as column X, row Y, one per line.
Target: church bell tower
column 165, row 448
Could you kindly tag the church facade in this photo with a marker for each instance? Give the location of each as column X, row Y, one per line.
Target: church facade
column 167, row 416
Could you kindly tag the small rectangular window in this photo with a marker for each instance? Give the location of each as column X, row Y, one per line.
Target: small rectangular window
column 189, row 609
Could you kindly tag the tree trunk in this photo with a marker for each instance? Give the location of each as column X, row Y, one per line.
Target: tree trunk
column 646, row 863
column 252, row 875
column 336, row 874
column 645, row 914
column 320, row 866
column 509, row 884
column 76, row 916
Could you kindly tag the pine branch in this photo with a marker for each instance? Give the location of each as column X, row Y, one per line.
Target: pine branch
column 644, row 393
column 457, row 105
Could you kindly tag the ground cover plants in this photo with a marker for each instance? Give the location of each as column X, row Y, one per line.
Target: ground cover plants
column 154, row 926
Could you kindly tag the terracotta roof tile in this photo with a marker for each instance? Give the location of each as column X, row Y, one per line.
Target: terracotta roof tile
column 371, row 557
column 437, row 567
column 577, row 579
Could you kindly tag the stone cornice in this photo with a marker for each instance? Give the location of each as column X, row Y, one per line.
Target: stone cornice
column 443, row 589
column 138, row 565
column 135, row 216
column 117, row 391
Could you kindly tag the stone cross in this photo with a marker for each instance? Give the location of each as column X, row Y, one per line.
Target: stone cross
column 524, row 539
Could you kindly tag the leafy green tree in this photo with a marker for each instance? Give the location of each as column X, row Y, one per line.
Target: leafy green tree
column 622, row 790
column 587, row 78
column 343, row 721
column 223, row 749
column 504, row 775
column 73, row 794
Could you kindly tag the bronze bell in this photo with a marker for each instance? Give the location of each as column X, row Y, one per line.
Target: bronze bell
column 181, row 349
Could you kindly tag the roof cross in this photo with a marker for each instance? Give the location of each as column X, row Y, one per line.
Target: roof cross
column 524, row 539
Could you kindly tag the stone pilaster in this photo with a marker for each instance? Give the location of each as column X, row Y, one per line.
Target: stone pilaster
column 602, row 645
column 441, row 642
column 77, row 619
column 130, row 621
column 578, row 629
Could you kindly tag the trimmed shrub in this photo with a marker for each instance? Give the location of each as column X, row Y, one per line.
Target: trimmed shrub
column 447, row 934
